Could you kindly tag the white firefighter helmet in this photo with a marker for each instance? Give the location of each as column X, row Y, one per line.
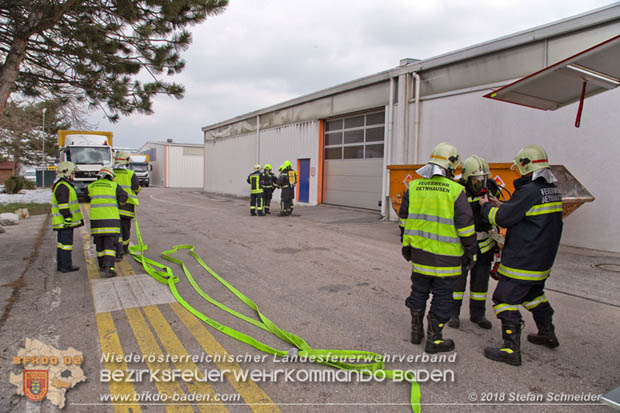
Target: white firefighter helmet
column 257, row 167
column 475, row 166
column 106, row 171
column 121, row 158
column 65, row 169
column 530, row 158
column 446, row 156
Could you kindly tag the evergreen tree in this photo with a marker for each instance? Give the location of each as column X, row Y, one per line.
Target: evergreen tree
column 94, row 51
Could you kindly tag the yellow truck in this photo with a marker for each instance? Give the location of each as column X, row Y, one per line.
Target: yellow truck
column 89, row 151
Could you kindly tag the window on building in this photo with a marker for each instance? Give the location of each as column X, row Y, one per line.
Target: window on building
column 334, row 138
column 354, row 152
column 374, row 151
column 333, row 153
column 355, row 137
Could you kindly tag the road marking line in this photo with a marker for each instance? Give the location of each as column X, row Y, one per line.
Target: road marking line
column 173, row 345
column 251, row 392
column 125, row 266
column 110, row 344
column 148, row 346
column 118, row 293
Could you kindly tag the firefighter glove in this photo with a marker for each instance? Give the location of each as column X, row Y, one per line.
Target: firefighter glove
column 406, row 251
column 468, row 262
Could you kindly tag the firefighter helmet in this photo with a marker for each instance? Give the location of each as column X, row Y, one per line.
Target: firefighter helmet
column 486, row 166
column 105, row 172
column 287, row 164
column 65, row 169
column 121, row 158
column 267, row 166
column 530, row 158
column 446, row 156
column 475, row 166
column 257, row 168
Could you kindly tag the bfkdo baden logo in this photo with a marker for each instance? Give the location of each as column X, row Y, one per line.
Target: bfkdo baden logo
column 48, row 373
column 35, row 384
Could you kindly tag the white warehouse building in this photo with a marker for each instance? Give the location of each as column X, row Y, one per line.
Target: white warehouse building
column 341, row 139
column 175, row 165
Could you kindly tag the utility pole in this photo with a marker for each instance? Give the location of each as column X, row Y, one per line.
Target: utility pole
column 43, row 170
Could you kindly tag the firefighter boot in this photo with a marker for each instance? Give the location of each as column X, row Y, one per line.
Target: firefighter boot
column 454, row 321
column 477, row 310
column 417, row 326
column 267, row 211
column 482, row 322
column 546, row 331
column 252, row 212
column 435, row 343
column 109, row 272
column 511, row 352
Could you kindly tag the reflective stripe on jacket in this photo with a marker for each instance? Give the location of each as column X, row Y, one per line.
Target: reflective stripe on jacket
column 533, row 218
column 268, row 179
column 254, row 181
column 438, row 226
column 104, row 216
column 122, row 177
column 72, row 205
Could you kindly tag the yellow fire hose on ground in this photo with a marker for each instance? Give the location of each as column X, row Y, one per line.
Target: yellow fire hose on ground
column 365, row 362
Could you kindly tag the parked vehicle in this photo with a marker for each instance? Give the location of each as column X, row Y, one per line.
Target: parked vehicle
column 139, row 163
column 89, row 151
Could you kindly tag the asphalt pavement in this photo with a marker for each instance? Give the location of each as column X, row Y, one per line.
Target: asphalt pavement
column 333, row 276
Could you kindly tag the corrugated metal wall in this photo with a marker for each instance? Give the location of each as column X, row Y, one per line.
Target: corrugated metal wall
column 229, row 161
column 185, row 166
column 292, row 142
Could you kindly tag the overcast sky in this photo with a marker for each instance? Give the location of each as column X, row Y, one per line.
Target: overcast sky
column 260, row 53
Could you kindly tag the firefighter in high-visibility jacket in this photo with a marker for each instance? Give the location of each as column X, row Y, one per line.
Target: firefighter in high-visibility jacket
column 269, row 182
column 256, row 191
column 287, row 192
column 533, row 218
column 66, row 215
column 440, row 241
column 292, row 181
column 475, row 173
column 105, row 226
column 127, row 180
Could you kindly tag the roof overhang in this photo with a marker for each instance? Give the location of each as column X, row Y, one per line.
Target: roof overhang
column 585, row 74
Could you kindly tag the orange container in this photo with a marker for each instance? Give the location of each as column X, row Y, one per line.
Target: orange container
column 574, row 194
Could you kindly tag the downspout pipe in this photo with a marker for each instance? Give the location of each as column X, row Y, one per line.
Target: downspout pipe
column 387, row 154
column 416, row 125
column 258, row 139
